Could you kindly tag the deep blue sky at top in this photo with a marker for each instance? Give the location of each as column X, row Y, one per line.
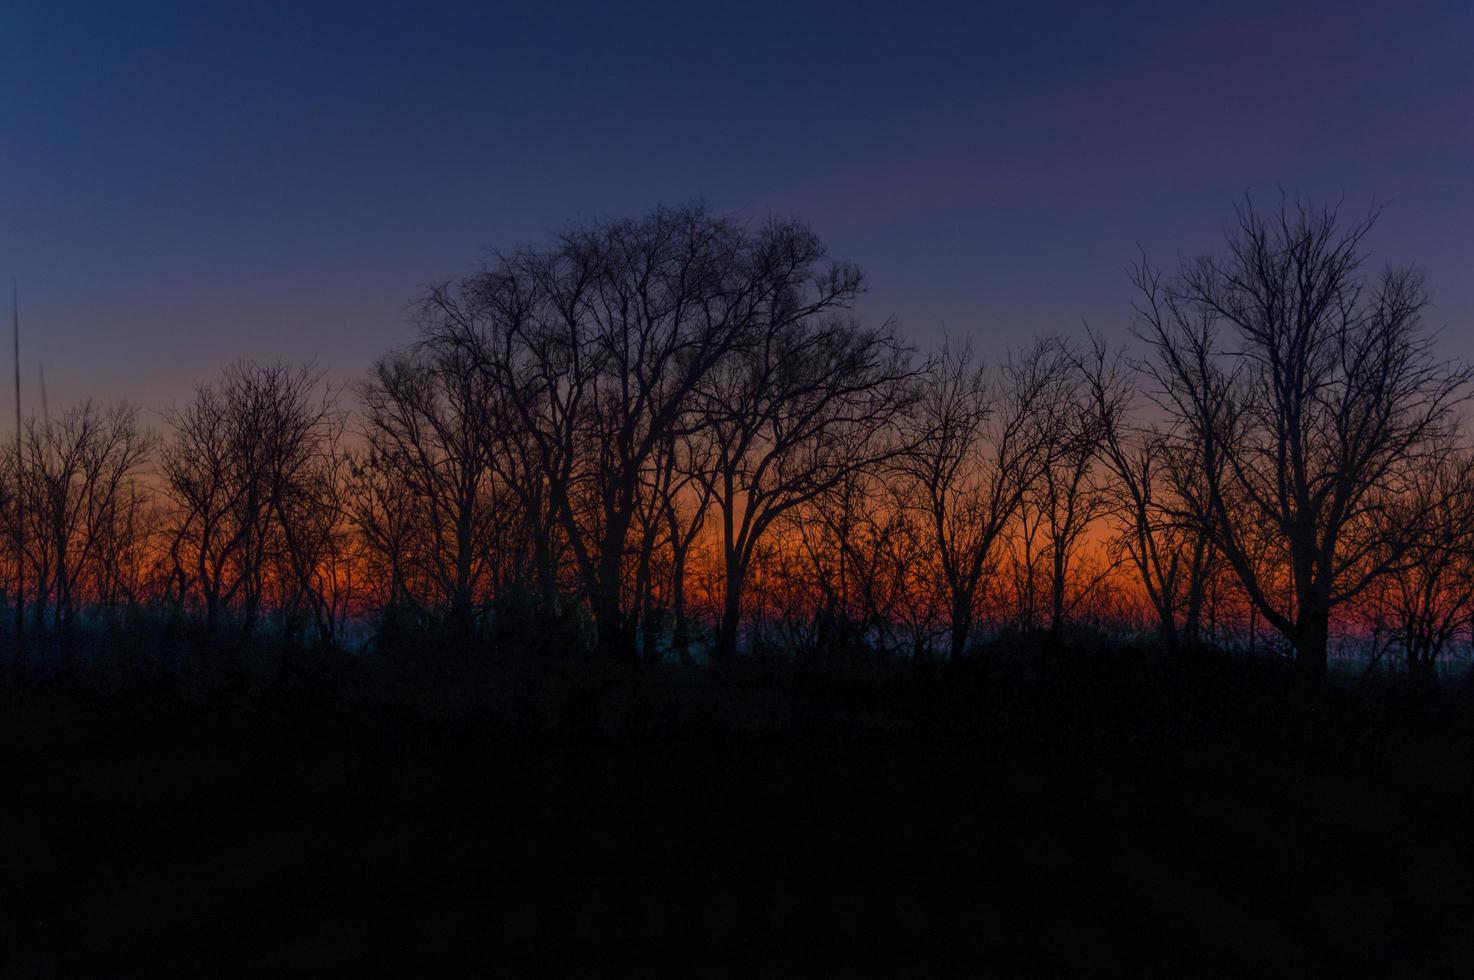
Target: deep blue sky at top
column 181, row 184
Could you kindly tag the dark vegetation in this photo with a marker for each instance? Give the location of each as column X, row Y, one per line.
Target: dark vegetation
column 1054, row 803
column 649, row 600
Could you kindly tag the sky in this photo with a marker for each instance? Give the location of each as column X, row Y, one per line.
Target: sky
column 185, row 184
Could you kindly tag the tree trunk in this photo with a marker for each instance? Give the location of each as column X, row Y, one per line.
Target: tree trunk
column 1057, row 594
column 726, row 648
column 612, row 635
column 651, row 618
column 547, row 583
column 1167, row 626
column 961, row 624
column 644, row 607
column 1312, row 642
column 460, row 600
column 1193, row 628
column 1422, row 656
column 609, row 626
column 681, row 637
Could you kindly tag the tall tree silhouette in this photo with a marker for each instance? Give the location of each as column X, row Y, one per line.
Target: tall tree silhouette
column 1423, row 607
column 1153, row 499
column 81, row 481
column 425, row 428
column 790, row 418
column 239, row 460
column 599, row 346
column 1310, row 397
column 980, row 438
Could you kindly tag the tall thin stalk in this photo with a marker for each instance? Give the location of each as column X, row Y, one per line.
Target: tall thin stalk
column 20, row 513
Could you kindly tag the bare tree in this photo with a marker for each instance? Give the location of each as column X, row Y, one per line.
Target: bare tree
column 1425, row 606
column 672, row 514
column 1162, row 525
column 685, row 501
column 237, row 464
column 386, row 514
column 790, row 418
column 979, row 441
column 81, row 481
column 310, row 504
column 1309, row 395
column 598, row 347
column 424, row 425
column 858, row 555
column 920, row 609
column 517, row 324
column 1070, row 494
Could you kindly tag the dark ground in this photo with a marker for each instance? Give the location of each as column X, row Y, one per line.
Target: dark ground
column 1037, row 814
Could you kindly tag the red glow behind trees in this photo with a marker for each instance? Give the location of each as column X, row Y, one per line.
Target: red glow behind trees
column 666, row 434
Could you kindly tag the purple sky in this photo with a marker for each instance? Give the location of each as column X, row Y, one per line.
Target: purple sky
column 180, row 186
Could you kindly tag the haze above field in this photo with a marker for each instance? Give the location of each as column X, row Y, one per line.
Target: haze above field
column 181, row 185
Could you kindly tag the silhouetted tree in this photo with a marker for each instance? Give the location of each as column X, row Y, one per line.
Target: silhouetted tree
column 516, row 324
column 1070, row 495
column 425, row 427
column 598, row 347
column 238, row 465
column 810, row 400
column 685, row 501
column 1162, row 523
column 859, row 559
column 1310, row 397
column 979, row 439
column 1423, row 607
column 311, row 507
column 80, row 478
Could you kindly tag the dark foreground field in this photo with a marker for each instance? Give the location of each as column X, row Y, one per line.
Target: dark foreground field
column 1036, row 811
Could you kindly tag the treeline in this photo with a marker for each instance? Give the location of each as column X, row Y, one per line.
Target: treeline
column 671, row 437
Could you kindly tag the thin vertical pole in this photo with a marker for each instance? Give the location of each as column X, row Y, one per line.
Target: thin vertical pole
column 20, row 505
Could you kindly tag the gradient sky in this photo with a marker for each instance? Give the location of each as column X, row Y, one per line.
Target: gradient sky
column 181, row 184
